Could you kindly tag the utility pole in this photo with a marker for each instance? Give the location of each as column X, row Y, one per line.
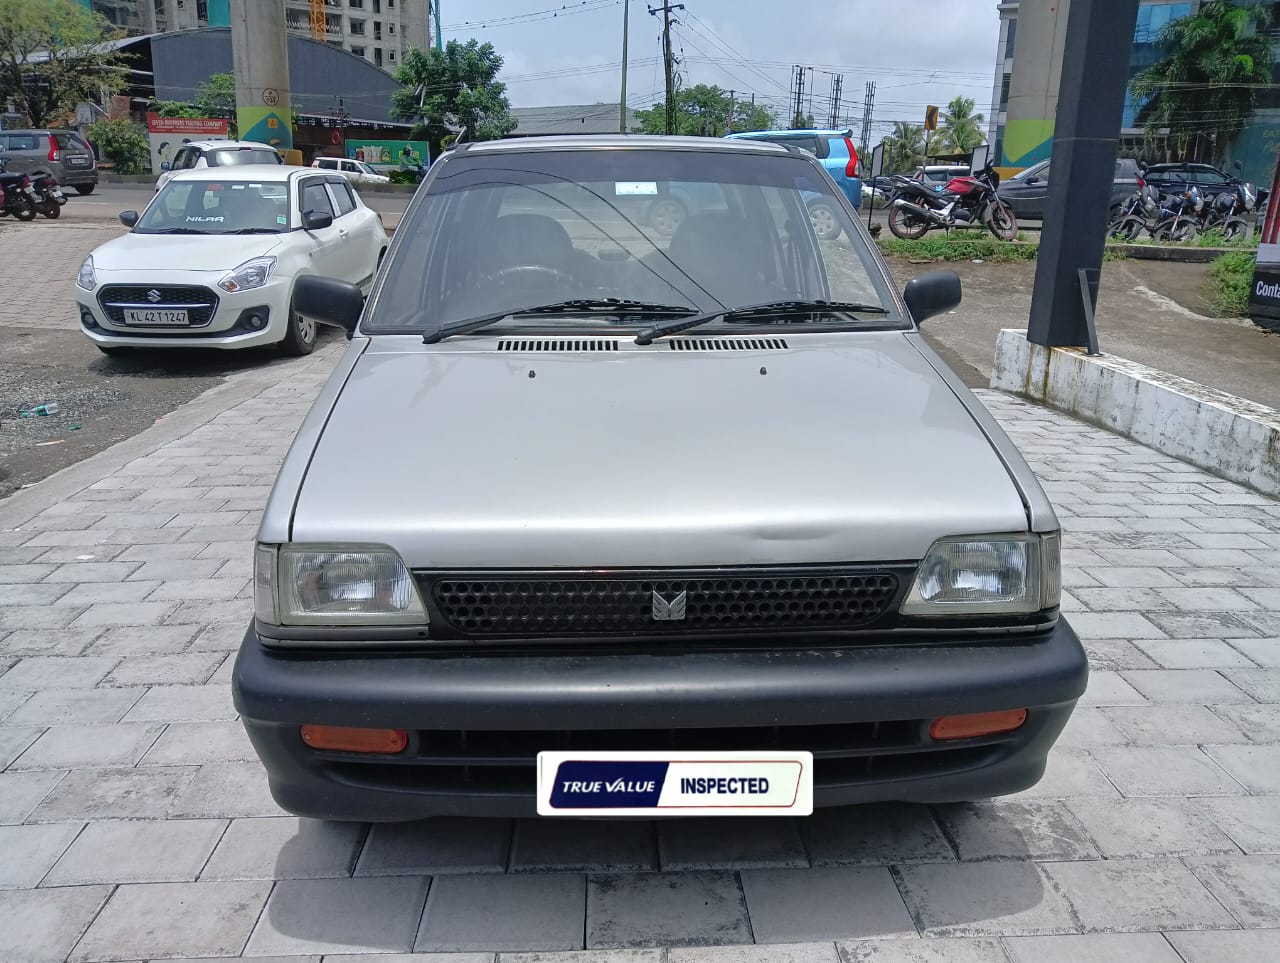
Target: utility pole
column 797, row 114
column 729, row 125
column 868, row 109
column 622, row 99
column 668, row 59
column 837, row 87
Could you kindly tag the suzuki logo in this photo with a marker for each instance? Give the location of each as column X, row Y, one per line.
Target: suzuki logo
column 673, row 611
column 153, row 295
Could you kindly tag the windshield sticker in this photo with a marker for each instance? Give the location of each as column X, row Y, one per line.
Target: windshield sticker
column 281, row 219
column 237, row 187
column 211, row 219
column 633, row 188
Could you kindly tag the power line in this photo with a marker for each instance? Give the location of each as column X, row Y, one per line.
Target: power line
column 551, row 13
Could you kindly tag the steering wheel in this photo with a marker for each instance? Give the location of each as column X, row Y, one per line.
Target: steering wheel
column 518, row 272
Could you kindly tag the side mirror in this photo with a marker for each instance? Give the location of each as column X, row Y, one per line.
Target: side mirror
column 1034, row 179
column 316, row 220
column 1238, row 165
column 128, row 218
column 931, row 294
column 166, row 166
column 329, row 301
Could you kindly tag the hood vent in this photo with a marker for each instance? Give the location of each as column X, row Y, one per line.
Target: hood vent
column 557, row 344
column 728, row 344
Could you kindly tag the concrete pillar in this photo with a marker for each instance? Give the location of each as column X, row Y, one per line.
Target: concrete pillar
column 1033, row 86
column 260, row 54
column 147, row 16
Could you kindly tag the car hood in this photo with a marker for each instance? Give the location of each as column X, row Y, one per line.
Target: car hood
column 837, row 449
column 182, row 252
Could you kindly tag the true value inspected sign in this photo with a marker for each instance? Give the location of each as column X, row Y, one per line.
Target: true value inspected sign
column 675, row 783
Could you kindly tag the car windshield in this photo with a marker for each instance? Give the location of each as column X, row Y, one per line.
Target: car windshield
column 365, row 168
column 243, row 155
column 702, row 230
column 217, row 207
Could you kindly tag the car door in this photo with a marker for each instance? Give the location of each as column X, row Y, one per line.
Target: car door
column 351, row 251
column 351, row 172
column 1028, row 193
column 327, row 254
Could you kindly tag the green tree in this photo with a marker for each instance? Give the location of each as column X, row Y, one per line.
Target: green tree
column 216, row 97
column 904, row 148
column 961, row 127
column 1203, row 90
column 453, row 88
column 52, row 57
column 703, row 111
column 123, row 143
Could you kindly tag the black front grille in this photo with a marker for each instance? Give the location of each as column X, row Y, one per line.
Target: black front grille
column 670, row 602
column 200, row 302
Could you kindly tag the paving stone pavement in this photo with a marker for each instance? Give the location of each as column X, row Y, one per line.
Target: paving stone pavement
column 135, row 823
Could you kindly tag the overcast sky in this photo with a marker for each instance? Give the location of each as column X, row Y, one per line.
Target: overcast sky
column 918, row 51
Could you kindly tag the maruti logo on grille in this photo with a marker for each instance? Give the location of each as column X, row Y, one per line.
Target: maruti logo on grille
column 153, row 295
column 673, row 611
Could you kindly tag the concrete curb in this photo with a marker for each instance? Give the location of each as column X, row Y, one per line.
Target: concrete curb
column 1185, row 255
column 1219, row 432
column 26, row 503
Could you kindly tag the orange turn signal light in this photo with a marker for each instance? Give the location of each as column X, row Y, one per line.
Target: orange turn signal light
column 347, row 739
column 977, row 724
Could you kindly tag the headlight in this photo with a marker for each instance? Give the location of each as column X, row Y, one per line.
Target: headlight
column 249, row 275
column 334, row 585
column 995, row 575
column 86, row 279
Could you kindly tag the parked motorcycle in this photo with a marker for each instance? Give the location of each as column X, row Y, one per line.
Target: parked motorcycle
column 1228, row 211
column 972, row 201
column 19, row 196
column 49, row 197
column 1139, row 212
column 1180, row 220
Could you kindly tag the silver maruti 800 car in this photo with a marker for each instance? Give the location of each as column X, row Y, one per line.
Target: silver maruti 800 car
column 577, row 484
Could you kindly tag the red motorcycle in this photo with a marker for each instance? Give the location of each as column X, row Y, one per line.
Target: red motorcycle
column 972, row 201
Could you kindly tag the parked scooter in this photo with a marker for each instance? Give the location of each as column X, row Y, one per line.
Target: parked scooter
column 49, row 197
column 19, row 195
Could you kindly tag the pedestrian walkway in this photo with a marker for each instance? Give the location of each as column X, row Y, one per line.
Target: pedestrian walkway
column 135, row 823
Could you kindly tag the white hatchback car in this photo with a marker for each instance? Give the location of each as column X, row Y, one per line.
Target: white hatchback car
column 213, row 259
column 353, row 170
column 198, row 154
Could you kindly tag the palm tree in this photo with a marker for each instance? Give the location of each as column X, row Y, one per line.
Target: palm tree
column 1204, row 89
column 904, row 148
column 961, row 127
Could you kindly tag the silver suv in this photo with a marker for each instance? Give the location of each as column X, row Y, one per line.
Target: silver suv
column 63, row 153
column 578, row 487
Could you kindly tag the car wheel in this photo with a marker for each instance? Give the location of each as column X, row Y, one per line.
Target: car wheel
column 300, row 335
column 666, row 215
column 826, row 224
column 84, row 190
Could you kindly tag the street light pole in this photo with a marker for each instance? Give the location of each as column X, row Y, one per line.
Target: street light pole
column 622, row 100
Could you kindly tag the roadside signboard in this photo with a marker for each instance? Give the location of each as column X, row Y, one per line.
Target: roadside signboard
column 389, row 155
column 167, row 134
column 1264, row 296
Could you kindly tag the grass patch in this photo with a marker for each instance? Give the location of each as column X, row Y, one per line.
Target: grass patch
column 1229, row 284
column 958, row 247
column 1213, row 238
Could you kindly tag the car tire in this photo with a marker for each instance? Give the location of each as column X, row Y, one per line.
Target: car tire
column 84, row 190
column 666, row 216
column 299, row 336
column 826, row 223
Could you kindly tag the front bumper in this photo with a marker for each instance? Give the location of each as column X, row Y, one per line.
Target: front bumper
column 228, row 328
column 476, row 720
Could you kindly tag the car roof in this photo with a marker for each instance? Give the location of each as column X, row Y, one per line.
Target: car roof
column 615, row 141
column 244, row 172
column 808, row 131
column 228, row 145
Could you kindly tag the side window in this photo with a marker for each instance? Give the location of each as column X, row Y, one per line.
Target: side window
column 342, row 198
column 314, row 198
column 350, row 167
column 186, row 159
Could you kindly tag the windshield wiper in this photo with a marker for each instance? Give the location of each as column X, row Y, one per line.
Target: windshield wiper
column 174, row 230
column 617, row 307
column 773, row 309
column 254, row 230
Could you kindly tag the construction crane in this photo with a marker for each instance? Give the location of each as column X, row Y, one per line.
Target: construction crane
column 319, row 21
